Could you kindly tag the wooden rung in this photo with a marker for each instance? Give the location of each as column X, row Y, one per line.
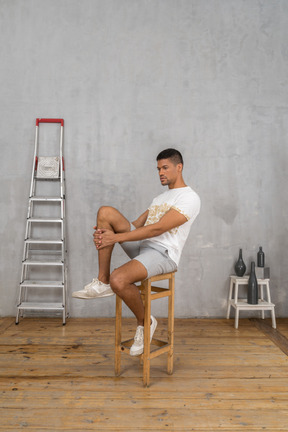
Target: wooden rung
column 128, row 343
column 156, row 296
column 159, row 351
column 160, row 295
column 125, row 349
column 156, row 289
column 158, row 342
column 159, row 289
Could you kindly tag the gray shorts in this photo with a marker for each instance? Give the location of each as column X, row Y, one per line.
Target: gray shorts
column 154, row 257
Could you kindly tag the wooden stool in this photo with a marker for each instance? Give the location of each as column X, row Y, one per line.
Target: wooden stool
column 148, row 293
column 241, row 304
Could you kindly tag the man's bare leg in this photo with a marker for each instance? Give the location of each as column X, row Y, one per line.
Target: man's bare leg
column 109, row 218
column 122, row 279
column 122, row 283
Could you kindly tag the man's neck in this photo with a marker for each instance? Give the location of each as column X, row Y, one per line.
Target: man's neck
column 177, row 184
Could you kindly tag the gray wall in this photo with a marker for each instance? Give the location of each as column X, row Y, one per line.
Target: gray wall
column 130, row 78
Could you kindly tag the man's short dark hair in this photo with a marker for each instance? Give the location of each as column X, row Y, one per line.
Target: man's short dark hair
column 172, row 154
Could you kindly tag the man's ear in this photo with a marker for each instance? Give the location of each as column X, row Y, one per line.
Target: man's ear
column 179, row 167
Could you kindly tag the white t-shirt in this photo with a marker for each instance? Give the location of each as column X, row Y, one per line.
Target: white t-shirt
column 186, row 202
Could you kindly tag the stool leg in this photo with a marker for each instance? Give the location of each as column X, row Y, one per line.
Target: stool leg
column 229, row 299
column 118, row 325
column 236, row 318
column 272, row 310
column 262, row 298
column 171, row 326
column 268, row 292
column 236, row 292
column 273, row 318
column 147, row 319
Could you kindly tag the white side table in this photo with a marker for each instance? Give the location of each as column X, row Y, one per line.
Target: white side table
column 241, row 304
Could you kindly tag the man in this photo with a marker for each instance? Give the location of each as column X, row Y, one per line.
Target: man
column 154, row 242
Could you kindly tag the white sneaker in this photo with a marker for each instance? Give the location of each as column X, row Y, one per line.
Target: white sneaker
column 138, row 346
column 96, row 289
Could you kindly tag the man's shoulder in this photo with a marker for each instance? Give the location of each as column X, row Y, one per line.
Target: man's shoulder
column 188, row 200
column 188, row 203
column 191, row 192
column 186, row 191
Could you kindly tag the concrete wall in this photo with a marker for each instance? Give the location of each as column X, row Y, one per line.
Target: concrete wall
column 130, row 78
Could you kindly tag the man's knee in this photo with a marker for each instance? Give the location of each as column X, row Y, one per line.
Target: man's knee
column 113, row 219
column 104, row 212
column 117, row 282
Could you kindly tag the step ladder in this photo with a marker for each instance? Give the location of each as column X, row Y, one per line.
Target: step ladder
column 43, row 285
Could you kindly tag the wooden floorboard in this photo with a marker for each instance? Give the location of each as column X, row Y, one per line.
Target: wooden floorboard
column 61, row 378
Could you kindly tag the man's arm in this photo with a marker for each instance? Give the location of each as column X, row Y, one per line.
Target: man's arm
column 141, row 220
column 170, row 220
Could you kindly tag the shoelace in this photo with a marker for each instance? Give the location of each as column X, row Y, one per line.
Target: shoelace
column 91, row 283
column 99, row 282
column 139, row 335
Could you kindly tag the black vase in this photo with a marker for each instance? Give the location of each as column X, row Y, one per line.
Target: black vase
column 240, row 266
column 252, row 297
column 260, row 258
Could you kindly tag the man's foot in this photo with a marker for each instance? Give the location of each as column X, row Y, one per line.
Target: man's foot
column 96, row 289
column 138, row 346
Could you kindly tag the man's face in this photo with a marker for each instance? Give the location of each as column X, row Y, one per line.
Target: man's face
column 168, row 172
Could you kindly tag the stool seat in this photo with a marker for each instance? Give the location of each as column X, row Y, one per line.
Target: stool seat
column 149, row 292
column 242, row 304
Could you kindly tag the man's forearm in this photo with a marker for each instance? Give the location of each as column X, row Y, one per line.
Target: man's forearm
column 170, row 220
column 141, row 233
column 141, row 220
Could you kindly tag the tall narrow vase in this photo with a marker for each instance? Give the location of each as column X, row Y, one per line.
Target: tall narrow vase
column 260, row 258
column 252, row 297
column 240, row 266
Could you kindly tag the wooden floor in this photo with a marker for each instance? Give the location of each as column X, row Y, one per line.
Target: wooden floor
column 61, row 378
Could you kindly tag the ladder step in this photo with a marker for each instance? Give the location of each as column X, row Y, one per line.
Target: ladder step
column 41, row 284
column 40, row 241
column 44, row 198
column 43, row 263
column 40, row 306
column 47, row 178
column 45, row 220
